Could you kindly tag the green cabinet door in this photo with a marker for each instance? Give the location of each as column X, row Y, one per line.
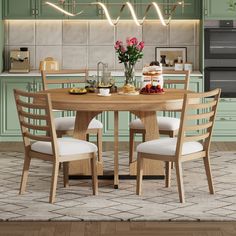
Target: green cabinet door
column 44, row 11
column 114, row 9
column 89, row 11
column 19, row 9
column 191, row 9
column 152, row 14
column 9, row 118
column 225, row 124
column 220, row 9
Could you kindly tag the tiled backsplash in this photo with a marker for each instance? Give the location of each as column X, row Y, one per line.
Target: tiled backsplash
column 78, row 44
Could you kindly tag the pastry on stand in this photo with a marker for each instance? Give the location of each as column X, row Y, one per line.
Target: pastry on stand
column 152, row 79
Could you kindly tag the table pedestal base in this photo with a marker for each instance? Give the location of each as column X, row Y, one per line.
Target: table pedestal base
column 150, row 167
column 83, row 167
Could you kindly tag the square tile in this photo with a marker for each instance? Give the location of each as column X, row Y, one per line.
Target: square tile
column 74, row 57
column 148, row 54
column 182, row 33
column 75, row 32
column 105, row 54
column 154, row 33
column 125, row 29
column 22, row 32
column 49, row 32
column 48, row 51
column 101, row 33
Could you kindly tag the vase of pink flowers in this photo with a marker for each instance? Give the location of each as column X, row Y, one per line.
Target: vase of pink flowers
column 129, row 54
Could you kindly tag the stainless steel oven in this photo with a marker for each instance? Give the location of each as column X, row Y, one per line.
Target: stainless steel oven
column 220, row 43
column 221, row 77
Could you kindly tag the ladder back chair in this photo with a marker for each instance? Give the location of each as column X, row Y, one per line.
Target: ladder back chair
column 193, row 142
column 65, row 125
column 40, row 140
column 167, row 125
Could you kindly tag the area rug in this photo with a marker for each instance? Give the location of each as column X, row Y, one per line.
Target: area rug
column 158, row 203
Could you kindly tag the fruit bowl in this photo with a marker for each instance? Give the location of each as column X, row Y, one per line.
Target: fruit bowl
column 78, row 91
column 152, row 90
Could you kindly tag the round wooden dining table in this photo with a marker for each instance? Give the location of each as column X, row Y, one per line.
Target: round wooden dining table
column 89, row 105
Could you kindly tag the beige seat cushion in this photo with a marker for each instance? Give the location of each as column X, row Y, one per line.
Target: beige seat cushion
column 68, row 123
column 66, row 146
column 167, row 146
column 164, row 123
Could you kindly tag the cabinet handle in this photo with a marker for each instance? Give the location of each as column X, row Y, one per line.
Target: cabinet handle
column 33, row 12
column 37, row 12
column 223, row 119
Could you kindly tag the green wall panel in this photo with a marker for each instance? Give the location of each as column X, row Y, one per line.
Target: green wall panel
column 219, row 9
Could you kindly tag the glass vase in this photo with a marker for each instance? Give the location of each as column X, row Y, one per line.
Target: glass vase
column 130, row 76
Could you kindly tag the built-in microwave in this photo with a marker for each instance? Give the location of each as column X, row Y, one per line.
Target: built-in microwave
column 220, row 43
column 221, row 77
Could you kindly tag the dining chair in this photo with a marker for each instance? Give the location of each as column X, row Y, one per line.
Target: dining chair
column 65, row 125
column 40, row 140
column 167, row 125
column 193, row 141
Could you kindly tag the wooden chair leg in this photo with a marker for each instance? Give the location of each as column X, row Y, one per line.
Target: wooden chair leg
column 208, row 174
column 131, row 145
column 168, row 173
column 94, row 175
column 99, row 143
column 54, row 182
column 66, row 174
column 25, row 174
column 139, row 175
column 143, row 137
column 179, row 176
column 87, row 137
column 172, row 135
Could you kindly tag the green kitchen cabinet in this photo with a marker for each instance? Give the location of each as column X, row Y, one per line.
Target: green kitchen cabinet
column 225, row 124
column 114, row 9
column 191, row 9
column 44, row 11
column 89, row 11
column 220, row 9
column 9, row 125
column 23, row 9
column 31, row 9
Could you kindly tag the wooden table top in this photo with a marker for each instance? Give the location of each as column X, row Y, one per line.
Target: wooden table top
column 172, row 99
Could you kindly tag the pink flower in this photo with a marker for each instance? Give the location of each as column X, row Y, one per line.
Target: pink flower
column 122, row 48
column 141, row 44
column 118, row 44
column 134, row 41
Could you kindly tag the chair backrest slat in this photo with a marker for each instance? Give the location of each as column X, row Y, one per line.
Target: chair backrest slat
column 78, row 76
column 200, row 116
column 35, row 116
column 196, row 137
column 198, row 127
column 197, row 119
column 32, row 116
column 184, row 82
column 35, row 127
column 37, row 137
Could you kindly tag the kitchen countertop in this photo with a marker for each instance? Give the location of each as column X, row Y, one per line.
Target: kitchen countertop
column 118, row 73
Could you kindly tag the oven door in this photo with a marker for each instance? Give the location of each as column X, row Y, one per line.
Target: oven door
column 221, row 77
column 220, row 43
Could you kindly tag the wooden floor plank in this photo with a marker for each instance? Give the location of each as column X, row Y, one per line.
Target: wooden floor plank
column 117, row 229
